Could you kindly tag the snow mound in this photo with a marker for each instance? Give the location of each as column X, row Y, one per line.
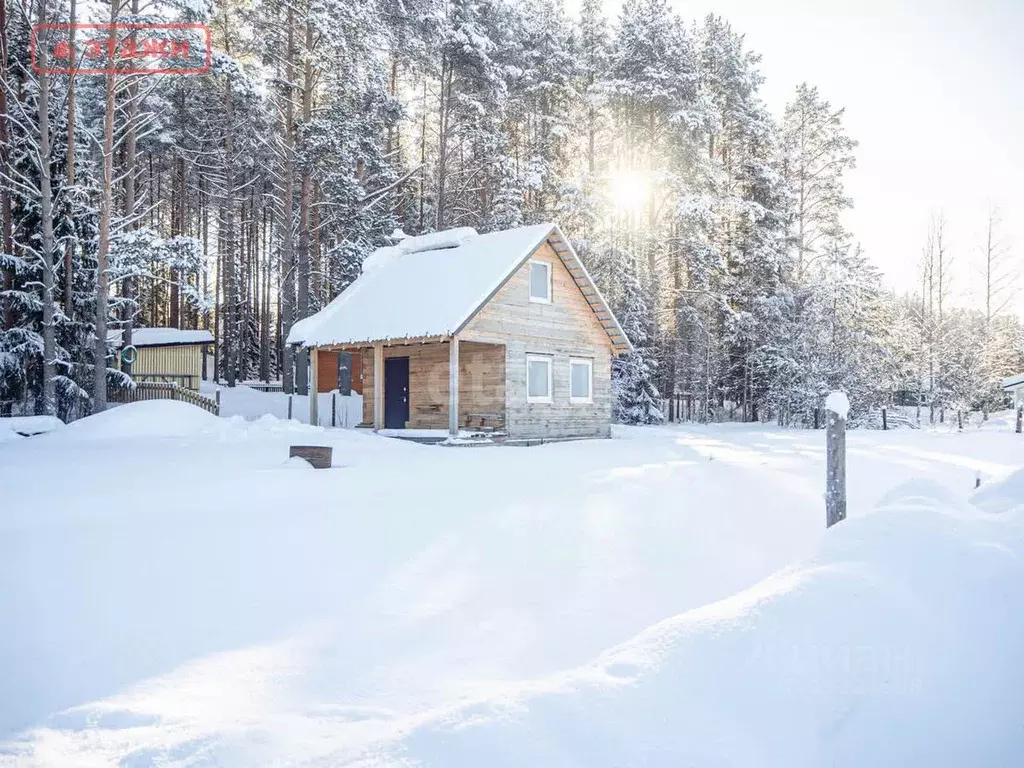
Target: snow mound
column 1001, row 496
column 26, row 426
column 897, row 644
column 151, row 418
column 838, row 403
column 296, row 462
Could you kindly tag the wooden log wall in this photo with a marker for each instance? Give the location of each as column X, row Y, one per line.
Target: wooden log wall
column 565, row 328
column 481, row 384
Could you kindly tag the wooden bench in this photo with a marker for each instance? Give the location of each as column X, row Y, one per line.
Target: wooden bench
column 497, row 419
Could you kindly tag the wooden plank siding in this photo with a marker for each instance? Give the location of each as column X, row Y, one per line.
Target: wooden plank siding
column 481, row 384
column 327, row 372
column 567, row 327
column 181, row 360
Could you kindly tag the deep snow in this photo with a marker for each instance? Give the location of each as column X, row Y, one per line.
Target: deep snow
column 173, row 591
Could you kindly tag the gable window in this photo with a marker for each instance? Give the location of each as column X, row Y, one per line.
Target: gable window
column 538, row 379
column 581, row 380
column 540, row 282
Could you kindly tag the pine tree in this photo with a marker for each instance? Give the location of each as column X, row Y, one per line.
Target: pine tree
column 635, row 396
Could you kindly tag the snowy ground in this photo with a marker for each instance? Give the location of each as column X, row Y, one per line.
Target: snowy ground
column 174, row 592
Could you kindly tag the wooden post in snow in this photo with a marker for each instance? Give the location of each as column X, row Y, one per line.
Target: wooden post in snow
column 1020, row 417
column 453, row 387
column 836, row 408
column 378, row 385
column 885, row 421
column 314, row 374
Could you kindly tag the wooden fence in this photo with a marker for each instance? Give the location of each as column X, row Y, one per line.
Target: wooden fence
column 264, row 386
column 158, row 390
column 683, row 408
column 181, row 379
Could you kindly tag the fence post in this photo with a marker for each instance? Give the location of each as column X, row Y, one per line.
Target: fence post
column 289, row 407
column 885, row 422
column 334, row 409
column 1020, row 417
column 217, row 398
column 836, row 409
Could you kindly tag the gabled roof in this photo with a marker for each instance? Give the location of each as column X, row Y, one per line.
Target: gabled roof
column 1013, row 381
column 431, row 286
column 161, row 337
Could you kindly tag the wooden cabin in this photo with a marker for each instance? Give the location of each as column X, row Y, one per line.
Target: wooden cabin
column 455, row 330
column 168, row 355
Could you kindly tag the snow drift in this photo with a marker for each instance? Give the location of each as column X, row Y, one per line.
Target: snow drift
column 149, row 418
column 898, row 644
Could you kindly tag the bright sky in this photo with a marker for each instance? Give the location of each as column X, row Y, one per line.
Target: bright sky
column 934, row 93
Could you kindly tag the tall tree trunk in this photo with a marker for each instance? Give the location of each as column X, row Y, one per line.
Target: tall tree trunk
column 442, row 149
column 305, row 201
column 131, row 174
column 70, row 247
column 46, row 204
column 99, row 392
column 230, row 270
column 287, row 293
column 265, row 310
column 6, row 233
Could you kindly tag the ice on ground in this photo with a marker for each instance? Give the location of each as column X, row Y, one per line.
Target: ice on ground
column 193, row 599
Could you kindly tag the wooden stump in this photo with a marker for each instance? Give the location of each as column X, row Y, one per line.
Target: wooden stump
column 319, row 456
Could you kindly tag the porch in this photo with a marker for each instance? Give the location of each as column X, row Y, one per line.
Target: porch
column 440, row 384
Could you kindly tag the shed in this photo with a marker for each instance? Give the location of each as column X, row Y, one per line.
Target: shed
column 167, row 355
column 503, row 331
column 1015, row 385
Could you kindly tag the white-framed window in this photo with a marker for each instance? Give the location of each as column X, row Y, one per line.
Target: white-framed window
column 538, row 379
column 540, row 282
column 581, row 380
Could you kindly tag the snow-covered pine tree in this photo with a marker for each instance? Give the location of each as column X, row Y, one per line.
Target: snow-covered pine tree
column 635, row 398
column 816, row 154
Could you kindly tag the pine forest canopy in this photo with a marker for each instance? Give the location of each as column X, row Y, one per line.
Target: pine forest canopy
column 244, row 199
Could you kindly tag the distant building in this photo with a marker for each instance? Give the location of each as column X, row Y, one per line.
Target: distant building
column 165, row 355
column 1015, row 384
column 454, row 330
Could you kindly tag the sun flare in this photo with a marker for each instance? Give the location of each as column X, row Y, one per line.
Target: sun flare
column 628, row 191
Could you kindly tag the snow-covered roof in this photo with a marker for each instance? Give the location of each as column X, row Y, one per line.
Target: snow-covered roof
column 431, row 285
column 1013, row 381
column 161, row 337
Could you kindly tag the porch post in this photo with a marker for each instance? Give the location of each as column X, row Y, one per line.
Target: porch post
column 453, row 387
column 378, row 385
column 314, row 370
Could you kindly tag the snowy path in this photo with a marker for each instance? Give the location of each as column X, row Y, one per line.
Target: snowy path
column 189, row 597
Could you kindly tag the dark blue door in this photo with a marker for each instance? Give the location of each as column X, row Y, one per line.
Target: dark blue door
column 396, row 392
